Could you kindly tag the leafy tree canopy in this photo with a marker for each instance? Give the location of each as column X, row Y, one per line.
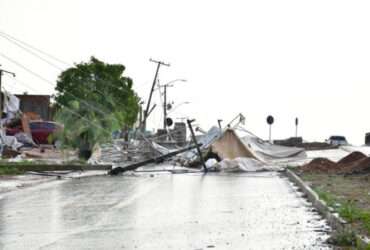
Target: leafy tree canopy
column 93, row 100
column 102, row 87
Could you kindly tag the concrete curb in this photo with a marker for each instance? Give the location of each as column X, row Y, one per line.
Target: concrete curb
column 336, row 222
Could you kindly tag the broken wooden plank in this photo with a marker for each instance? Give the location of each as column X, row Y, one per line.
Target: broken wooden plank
column 136, row 165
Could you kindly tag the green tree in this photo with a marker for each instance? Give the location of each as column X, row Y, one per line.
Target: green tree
column 93, row 100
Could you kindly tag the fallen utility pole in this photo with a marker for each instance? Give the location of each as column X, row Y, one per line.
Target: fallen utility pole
column 1, row 74
column 146, row 111
column 198, row 148
column 117, row 170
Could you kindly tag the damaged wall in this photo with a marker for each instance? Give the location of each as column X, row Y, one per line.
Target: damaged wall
column 39, row 104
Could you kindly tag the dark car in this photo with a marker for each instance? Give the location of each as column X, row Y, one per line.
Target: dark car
column 41, row 131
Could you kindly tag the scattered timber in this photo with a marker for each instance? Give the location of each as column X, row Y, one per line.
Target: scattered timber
column 117, row 170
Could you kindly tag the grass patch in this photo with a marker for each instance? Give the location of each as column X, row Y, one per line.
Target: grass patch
column 349, row 196
column 325, row 196
column 345, row 238
column 346, row 209
column 10, row 170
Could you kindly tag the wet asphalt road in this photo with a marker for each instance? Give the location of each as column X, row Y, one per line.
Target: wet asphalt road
column 182, row 211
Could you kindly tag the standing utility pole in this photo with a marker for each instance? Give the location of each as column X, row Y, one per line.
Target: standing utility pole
column 1, row 100
column 165, row 107
column 146, row 111
column 296, row 127
column 165, row 86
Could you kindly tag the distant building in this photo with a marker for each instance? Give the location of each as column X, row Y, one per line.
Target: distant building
column 39, row 104
column 178, row 134
column 367, row 139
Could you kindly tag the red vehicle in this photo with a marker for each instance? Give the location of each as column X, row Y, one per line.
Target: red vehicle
column 40, row 130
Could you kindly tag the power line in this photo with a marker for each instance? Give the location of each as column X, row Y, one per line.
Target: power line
column 18, row 43
column 28, row 47
column 41, row 58
column 31, row 52
column 36, row 49
column 50, row 83
column 22, row 83
column 89, row 105
column 67, row 108
column 26, row 69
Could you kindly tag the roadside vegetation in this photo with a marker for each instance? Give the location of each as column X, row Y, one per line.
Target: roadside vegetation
column 349, row 196
column 10, row 170
column 347, row 210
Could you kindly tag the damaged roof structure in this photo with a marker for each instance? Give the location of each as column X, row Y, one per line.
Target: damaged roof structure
column 232, row 145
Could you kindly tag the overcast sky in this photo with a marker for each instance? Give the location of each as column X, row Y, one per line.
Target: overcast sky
column 306, row 59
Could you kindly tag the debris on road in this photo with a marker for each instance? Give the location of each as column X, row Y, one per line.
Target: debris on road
column 232, row 150
column 242, row 164
column 135, row 166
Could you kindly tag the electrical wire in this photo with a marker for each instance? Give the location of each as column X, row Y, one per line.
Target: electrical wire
column 16, row 80
column 91, row 106
column 31, row 52
column 24, row 46
column 41, row 58
column 36, row 49
column 68, row 109
column 27, row 47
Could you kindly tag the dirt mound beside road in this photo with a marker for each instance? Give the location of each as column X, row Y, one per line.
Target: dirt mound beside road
column 361, row 166
column 352, row 157
column 319, row 165
column 354, row 163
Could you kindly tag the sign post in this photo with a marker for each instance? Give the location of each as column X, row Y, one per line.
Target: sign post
column 296, row 127
column 270, row 121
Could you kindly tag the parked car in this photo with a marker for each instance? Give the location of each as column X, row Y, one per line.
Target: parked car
column 337, row 140
column 41, row 131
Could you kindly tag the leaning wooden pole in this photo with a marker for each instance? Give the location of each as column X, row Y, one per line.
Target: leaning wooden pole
column 198, row 148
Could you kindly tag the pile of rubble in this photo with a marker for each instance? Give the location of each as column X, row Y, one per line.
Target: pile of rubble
column 26, row 136
column 120, row 152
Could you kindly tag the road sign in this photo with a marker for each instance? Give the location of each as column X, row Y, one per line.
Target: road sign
column 270, row 119
column 169, row 122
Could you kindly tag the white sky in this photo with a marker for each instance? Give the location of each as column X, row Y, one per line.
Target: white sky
column 306, row 59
